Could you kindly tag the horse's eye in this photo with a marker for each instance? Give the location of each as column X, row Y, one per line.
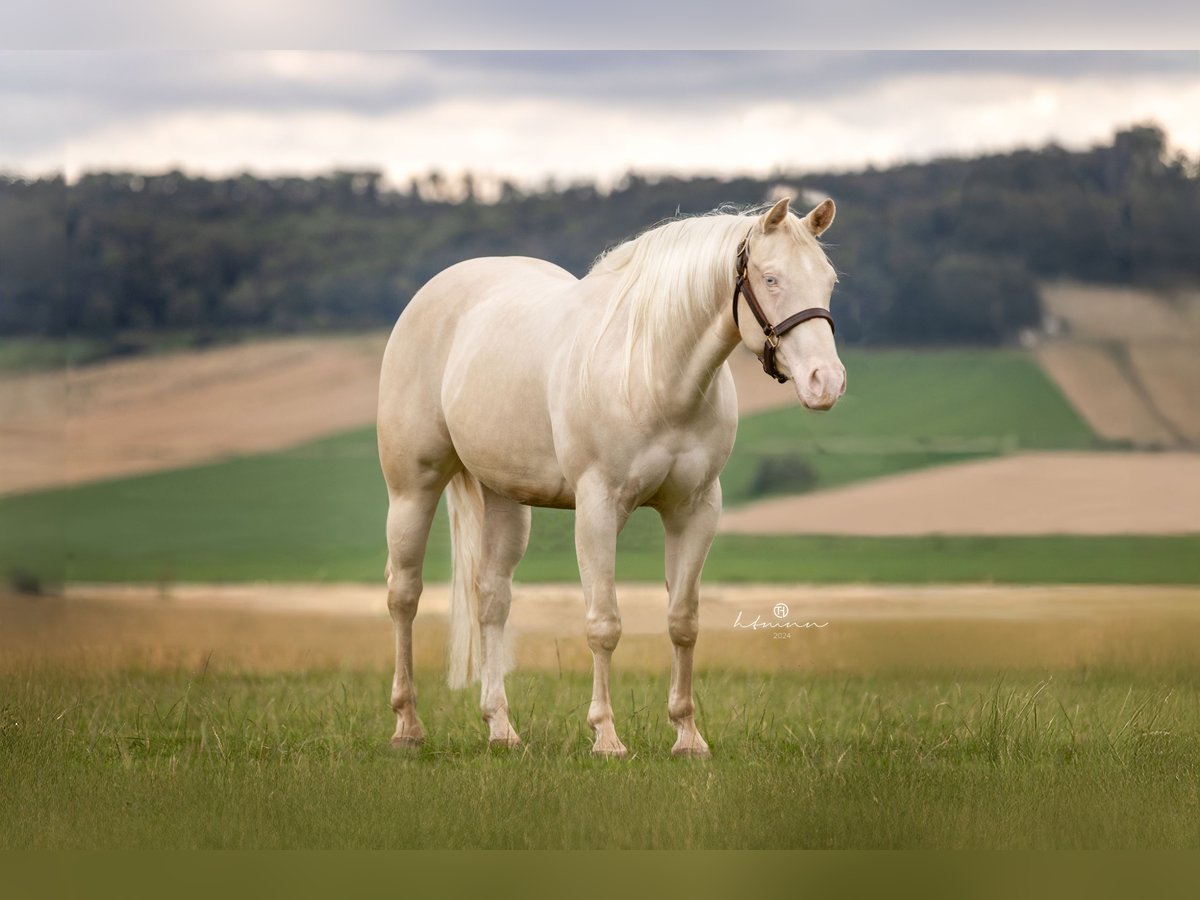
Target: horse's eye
column 770, row 280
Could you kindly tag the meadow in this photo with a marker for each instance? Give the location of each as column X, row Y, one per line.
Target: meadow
column 159, row 725
column 315, row 513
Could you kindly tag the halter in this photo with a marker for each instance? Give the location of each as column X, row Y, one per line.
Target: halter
column 772, row 332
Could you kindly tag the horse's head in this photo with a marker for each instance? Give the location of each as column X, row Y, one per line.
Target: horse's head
column 787, row 272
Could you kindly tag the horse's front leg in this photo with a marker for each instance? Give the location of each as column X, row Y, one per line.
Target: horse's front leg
column 598, row 521
column 690, row 527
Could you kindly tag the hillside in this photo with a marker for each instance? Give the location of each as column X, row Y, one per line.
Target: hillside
column 165, row 411
column 316, row 511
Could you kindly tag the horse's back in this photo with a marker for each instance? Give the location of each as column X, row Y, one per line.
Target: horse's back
column 474, row 281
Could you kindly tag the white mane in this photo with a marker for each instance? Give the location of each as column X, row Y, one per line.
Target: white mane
column 671, row 278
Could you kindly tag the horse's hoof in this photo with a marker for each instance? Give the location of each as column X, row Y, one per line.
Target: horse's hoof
column 407, row 744
column 505, row 743
column 610, row 752
column 691, row 752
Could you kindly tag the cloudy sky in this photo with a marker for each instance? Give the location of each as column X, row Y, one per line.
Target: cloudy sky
column 531, row 114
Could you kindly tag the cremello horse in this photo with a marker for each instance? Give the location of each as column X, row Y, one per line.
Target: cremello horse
column 516, row 384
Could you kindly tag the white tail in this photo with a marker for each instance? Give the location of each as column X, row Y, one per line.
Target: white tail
column 464, row 500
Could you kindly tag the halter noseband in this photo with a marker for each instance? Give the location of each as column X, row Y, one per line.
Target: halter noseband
column 772, row 332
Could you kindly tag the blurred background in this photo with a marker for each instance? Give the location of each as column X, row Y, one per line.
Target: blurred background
column 989, row 549
column 201, row 254
column 979, row 573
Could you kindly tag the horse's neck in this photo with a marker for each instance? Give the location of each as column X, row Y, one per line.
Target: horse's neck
column 683, row 367
column 705, row 358
column 686, row 372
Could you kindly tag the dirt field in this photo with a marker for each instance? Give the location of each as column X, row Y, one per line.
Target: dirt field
column 1114, row 313
column 163, row 412
column 1102, row 393
column 1032, row 493
column 1170, row 372
column 1128, row 360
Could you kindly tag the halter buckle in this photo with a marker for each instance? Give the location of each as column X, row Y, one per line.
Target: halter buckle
column 772, row 337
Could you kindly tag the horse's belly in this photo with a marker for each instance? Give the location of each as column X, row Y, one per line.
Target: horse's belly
column 532, row 480
column 506, row 442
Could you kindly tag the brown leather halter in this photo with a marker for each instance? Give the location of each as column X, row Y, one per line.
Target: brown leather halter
column 772, row 332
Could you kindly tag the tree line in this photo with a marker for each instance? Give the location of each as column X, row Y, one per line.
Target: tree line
column 948, row 251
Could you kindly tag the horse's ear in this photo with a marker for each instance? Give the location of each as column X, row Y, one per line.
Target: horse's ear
column 775, row 215
column 821, row 216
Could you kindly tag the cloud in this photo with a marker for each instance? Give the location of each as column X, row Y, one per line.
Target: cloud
column 139, row 81
column 573, row 115
column 525, row 25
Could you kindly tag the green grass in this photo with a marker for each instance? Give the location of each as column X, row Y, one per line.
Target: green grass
column 32, row 354
column 317, row 516
column 908, row 409
column 317, row 512
column 1101, row 758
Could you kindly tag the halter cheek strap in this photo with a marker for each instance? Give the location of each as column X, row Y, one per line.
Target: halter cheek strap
column 772, row 333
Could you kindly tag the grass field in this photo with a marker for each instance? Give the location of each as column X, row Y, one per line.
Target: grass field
column 1085, row 759
column 317, row 512
column 158, row 724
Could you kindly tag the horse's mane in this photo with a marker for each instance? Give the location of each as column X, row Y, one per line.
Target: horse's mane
column 668, row 276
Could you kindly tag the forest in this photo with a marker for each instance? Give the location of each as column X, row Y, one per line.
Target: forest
column 948, row 251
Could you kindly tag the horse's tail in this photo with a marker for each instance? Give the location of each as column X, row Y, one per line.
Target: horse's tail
column 464, row 499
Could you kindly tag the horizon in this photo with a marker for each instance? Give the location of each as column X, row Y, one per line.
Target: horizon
column 487, row 187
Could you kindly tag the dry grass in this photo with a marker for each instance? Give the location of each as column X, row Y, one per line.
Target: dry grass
column 864, row 629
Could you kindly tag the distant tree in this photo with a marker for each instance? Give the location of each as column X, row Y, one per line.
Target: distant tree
column 965, row 298
column 945, row 251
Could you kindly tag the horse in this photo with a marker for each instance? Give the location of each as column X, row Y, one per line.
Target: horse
column 510, row 383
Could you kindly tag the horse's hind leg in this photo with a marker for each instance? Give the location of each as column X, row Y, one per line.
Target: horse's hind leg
column 410, row 514
column 505, row 537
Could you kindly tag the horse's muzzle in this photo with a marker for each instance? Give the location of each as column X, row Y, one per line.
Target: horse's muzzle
column 822, row 387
